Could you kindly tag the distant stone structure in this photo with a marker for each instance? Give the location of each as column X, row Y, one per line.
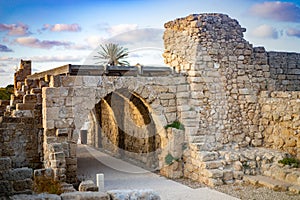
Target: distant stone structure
column 239, row 106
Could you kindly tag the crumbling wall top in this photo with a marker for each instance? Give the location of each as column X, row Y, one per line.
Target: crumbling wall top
column 219, row 26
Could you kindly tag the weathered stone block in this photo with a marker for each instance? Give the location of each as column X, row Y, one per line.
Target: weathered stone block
column 238, row 175
column 43, row 196
column 213, row 173
column 133, row 194
column 88, row 185
column 292, row 177
column 207, row 156
column 58, row 164
column 30, row 98
column 62, row 132
column 227, row 175
column 22, row 185
column 85, row 196
column 212, row 164
column 55, row 147
column 5, row 163
column 25, row 106
column 5, row 188
column 20, row 173
column 57, row 156
column 48, row 172
column 167, row 96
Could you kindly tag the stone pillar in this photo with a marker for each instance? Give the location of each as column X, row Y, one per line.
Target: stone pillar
column 58, row 123
column 21, row 74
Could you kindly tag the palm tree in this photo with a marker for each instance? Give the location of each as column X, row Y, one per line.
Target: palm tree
column 112, row 55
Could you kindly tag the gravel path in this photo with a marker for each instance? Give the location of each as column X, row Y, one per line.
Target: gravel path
column 245, row 191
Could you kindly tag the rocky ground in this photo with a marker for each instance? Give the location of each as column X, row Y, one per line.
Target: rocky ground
column 242, row 191
column 245, row 191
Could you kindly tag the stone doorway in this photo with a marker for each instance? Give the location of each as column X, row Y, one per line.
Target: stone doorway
column 121, row 124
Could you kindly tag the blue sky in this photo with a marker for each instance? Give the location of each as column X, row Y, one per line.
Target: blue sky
column 53, row 33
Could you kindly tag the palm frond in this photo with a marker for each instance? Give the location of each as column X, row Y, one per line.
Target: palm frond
column 112, row 54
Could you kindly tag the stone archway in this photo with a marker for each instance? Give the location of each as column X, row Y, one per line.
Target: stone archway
column 122, row 124
column 67, row 108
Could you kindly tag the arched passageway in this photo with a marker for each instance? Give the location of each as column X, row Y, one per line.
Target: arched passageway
column 121, row 124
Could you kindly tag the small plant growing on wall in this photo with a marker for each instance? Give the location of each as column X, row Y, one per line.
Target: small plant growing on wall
column 293, row 162
column 169, row 159
column 176, row 124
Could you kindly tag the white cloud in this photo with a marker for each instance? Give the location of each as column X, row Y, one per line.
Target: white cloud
column 36, row 43
column 140, row 37
column 265, row 31
column 62, row 27
column 15, row 29
column 94, row 40
column 293, row 32
column 58, row 58
column 6, row 61
column 48, row 44
column 9, row 59
column 121, row 28
column 279, row 11
column 136, row 41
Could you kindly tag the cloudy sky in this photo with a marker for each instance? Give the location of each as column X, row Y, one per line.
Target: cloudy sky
column 53, row 33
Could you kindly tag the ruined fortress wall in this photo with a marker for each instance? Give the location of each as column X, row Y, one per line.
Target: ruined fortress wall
column 225, row 74
column 223, row 111
column 19, row 152
column 19, row 140
column 21, row 74
column 285, row 70
column 280, row 121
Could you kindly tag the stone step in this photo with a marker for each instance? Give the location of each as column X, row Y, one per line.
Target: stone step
column 271, row 183
column 66, row 187
column 198, row 145
column 197, row 139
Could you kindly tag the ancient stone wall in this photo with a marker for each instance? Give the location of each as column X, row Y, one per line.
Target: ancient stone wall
column 225, row 74
column 19, row 140
column 21, row 74
column 14, row 180
column 285, row 70
column 66, row 110
column 222, row 113
column 109, row 128
column 280, row 121
column 230, row 96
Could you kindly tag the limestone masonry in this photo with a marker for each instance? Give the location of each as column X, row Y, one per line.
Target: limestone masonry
column 239, row 105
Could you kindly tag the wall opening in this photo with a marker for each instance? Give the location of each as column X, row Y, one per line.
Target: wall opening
column 121, row 124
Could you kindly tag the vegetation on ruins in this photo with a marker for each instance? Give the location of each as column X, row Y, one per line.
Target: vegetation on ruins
column 293, row 162
column 176, row 124
column 112, row 55
column 6, row 92
column 45, row 184
column 169, row 159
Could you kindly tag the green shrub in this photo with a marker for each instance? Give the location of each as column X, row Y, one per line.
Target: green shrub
column 169, row 159
column 6, row 92
column 290, row 161
column 176, row 124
